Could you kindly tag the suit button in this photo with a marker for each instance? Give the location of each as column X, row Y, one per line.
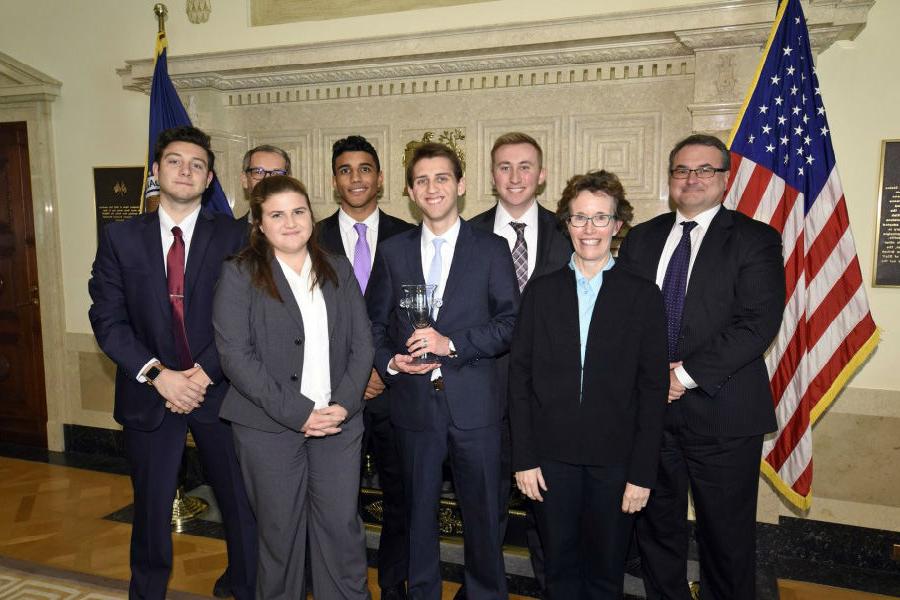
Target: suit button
column 294, row 377
column 297, row 341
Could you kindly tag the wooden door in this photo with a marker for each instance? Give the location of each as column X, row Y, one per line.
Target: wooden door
column 23, row 405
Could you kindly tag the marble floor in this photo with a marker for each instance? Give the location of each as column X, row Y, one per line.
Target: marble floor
column 58, row 515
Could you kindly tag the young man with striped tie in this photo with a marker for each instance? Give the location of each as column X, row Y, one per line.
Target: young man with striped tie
column 538, row 246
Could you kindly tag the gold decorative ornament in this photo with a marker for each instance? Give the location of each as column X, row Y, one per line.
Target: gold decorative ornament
column 452, row 138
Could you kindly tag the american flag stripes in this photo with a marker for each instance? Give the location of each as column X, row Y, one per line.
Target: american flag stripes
column 783, row 173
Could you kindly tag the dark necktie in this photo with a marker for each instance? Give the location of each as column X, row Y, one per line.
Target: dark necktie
column 674, row 286
column 520, row 254
column 175, row 279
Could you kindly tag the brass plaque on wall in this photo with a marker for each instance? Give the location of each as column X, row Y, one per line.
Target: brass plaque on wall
column 274, row 12
column 887, row 237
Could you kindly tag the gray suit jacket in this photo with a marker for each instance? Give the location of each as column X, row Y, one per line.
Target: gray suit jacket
column 261, row 343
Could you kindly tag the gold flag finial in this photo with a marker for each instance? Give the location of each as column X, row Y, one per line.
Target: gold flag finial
column 161, row 11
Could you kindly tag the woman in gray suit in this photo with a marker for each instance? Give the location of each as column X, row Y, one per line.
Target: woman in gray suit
column 295, row 341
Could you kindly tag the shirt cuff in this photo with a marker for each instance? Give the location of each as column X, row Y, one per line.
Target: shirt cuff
column 391, row 371
column 140, row 376
column 685, row 379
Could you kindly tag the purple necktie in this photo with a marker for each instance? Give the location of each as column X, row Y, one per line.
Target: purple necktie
column 362, row 258
column 674, row 286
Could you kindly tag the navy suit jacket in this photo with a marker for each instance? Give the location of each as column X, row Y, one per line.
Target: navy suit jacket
column 132, row 318
column 478, row 314
column 732, row 311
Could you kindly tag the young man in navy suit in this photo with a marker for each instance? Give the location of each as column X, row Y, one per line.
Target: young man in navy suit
column 722, row 278
column 449, row 407
column 357, row 230
column 538, row 246
column 152, row 287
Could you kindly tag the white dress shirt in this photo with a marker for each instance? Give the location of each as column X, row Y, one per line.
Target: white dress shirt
column 166, row 223
column 315, row 380
column 349, row 235
column 697, row 234
column 505, row 230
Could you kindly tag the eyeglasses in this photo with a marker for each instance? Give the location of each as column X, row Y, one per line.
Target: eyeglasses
column 582, row 220
column 258, row 173
column 701, row 172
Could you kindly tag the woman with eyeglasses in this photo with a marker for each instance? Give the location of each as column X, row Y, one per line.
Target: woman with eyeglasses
column 295, row 341
column 588, row 382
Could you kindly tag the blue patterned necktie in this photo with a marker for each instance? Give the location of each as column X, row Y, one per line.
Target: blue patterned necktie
column 674, row 286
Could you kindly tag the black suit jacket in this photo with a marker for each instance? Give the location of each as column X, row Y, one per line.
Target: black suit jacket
column 618, row 419
column 132, row 318
column 732, row 312
column 329, row 236
column 554, row 249
column 478, row 313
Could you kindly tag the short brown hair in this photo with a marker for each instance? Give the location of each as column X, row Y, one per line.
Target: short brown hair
column 517, row 137
column 594, row 182
column 433, row 150
column 258, row 254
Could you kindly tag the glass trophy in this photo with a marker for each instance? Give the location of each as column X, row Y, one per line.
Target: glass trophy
column 418, row 303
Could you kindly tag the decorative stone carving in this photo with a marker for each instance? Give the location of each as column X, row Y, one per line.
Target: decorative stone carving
column 725, row 77
column 198, row 10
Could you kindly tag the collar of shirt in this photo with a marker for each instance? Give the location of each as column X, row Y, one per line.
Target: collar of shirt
column 166, row 223
column 703, row 219
column 346, row 222
column 297, row 281
column 449, row 237
column 502, row 219
column 349, row 236
column 594, row 284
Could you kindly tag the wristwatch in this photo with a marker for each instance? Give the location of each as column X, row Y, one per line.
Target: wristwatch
column 153, row 372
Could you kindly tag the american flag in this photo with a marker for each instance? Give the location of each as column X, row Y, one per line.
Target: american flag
column 783, row 172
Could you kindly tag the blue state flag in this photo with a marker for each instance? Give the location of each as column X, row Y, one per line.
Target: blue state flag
column 166, row 111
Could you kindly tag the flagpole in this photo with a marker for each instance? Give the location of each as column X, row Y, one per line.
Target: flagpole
column 161, row 12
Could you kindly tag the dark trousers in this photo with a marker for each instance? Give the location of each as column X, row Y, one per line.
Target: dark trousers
column 393, row 545
column 475, row 462
column 723, row 475
column 155, row 458
column 584, row 531
column 532, row 537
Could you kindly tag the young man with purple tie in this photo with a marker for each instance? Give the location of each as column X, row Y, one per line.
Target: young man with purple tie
column 356, row 230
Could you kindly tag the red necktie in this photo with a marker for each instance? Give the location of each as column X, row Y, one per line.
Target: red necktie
column 175, row 279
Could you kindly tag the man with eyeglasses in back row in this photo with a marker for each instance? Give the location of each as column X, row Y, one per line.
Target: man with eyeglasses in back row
column 722, row 278
column 260, row 162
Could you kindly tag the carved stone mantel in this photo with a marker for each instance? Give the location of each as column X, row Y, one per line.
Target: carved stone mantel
column 627, row 37
column 612, row 90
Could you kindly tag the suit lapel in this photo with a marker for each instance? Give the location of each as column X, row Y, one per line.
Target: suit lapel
column 704, row 268
column 159, row 287
column 329, row 294
column 546, row 223
column 568, row 332
column 462, row 254
column 287, row 295
column 203, row 233
column 414, row 259
column 331, row 236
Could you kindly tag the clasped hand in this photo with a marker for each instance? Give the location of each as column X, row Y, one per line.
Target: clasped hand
column 324, row 421
column 183, row 391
